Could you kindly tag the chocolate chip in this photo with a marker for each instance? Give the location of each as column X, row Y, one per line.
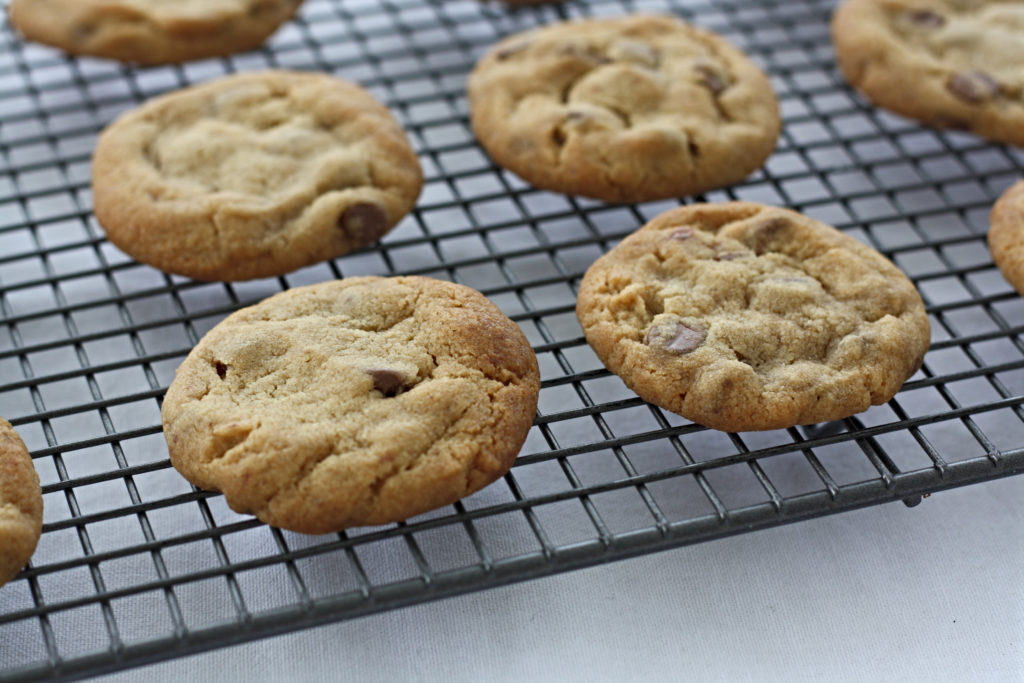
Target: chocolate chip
column 364, row 222
column 679, row 338
column 386, row 381
column 730, row 255
column 710, row 77
column 513, row 49
column 84, row 32
column 927, row 18
column 222, row 370
column 765, row 233
column 683, row 233
column 973, row 87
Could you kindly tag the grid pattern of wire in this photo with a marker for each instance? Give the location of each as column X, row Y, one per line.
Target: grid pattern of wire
column 134, row 565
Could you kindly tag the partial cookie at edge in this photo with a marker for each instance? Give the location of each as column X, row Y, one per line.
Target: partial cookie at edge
column 355, row 402
column 164, row 33
column 744, row 317
column 1006, row 235
column 21, row 504
column 945, row 64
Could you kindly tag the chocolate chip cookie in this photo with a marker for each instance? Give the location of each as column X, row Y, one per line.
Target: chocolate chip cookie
column 151, row 31
column 742, row 317
column 354, row 402
column 948, row 63
column 1006, row 235
column 253, row 175
column 21, row 504
column 624, row 110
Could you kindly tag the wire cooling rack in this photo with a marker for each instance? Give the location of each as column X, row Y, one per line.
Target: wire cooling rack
column 135, row 566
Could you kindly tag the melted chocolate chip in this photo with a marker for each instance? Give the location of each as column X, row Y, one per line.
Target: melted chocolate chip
column 762, row 236
column 926, row 18
column 84, row 32
column 222, row 370
column 683, row 233
column 387, row 382
column 679, row 338
column 710, row 78
column 973, row 87
column 365, row 222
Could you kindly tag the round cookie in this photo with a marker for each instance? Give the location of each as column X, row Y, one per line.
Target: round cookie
column 627, row 109
column 744, row 317
column 253, row 175
column 1006, row 235
column 151, row 31
column 21, row 504
column 353, row 402
column 947, row 63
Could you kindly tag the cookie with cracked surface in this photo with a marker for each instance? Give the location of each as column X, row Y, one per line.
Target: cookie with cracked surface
column 253, row 175
column 628, row 109
column 354, row 402
column 21, row 504
column 151, row 31
column 742, row 317
column 947, row 63
column 1006, row 235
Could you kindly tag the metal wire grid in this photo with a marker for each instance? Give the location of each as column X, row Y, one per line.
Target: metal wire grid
column 136, row 566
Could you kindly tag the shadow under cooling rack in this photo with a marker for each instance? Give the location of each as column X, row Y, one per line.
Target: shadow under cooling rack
column 135, row 565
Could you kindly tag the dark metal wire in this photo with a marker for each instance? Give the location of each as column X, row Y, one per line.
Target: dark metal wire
column 89, row 340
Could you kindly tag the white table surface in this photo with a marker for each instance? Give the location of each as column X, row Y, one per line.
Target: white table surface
column 931, row 593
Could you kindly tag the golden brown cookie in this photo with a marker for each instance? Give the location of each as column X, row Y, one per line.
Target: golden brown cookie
column 948, row 63
column 253, row 175
column 1006, row 235
column 625, row 110
column 21, row 504
column 743, row 317
column 151, row 31
column 353, row 402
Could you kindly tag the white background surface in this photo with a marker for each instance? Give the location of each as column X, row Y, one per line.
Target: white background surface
column 929, row 593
